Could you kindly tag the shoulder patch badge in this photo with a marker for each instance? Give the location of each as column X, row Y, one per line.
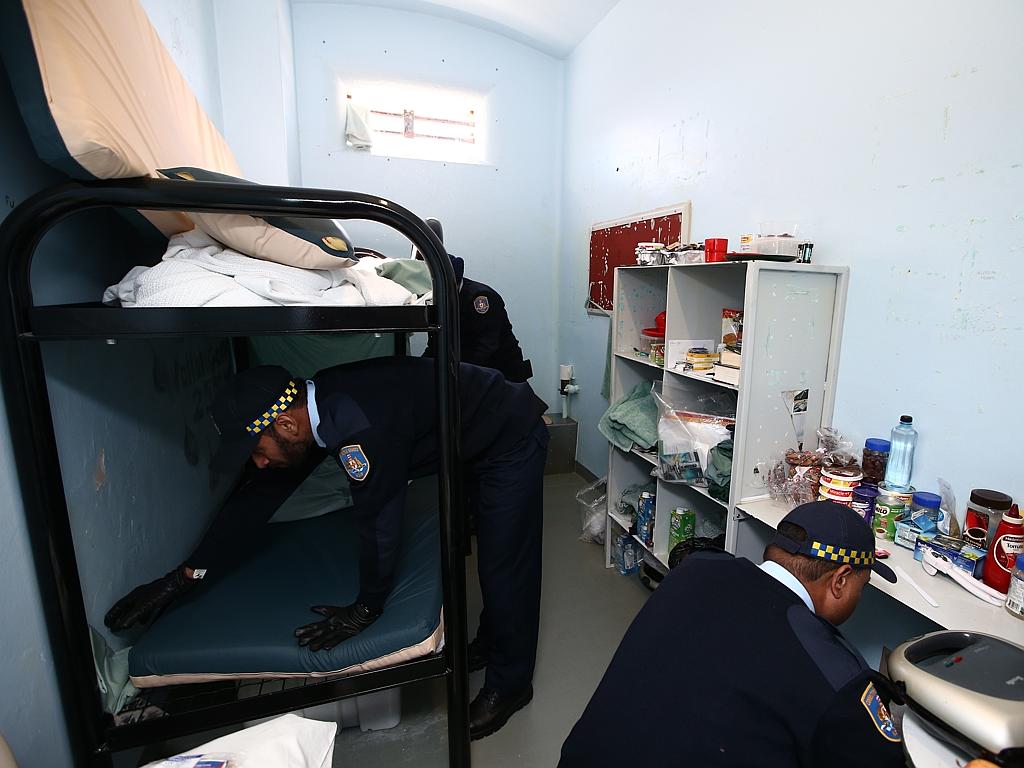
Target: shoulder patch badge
column 481, row 304
column 879, row 714
column 354, row 462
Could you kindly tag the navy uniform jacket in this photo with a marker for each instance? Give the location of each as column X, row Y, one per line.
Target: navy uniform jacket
column 486, row 333
column 725, row 666
column 379, row 420
column 383, row 413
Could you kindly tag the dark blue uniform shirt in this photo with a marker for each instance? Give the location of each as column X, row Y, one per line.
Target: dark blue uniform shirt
column 726, row 666
column 378, row 419
column 382, row 413
column 486, row 336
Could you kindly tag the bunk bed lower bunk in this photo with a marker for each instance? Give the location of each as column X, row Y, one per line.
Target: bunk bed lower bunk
column 240, row 626
column 420, row 646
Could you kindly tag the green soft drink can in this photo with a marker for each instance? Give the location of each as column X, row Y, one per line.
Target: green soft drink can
column 682, row 525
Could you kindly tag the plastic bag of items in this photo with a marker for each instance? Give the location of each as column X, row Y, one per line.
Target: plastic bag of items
column 650, row 254
column 629, row 499
column 795, row 479
column 593, row 501
column 684, row 440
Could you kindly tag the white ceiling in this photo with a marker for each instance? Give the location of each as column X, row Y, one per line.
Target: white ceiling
column 552, row 26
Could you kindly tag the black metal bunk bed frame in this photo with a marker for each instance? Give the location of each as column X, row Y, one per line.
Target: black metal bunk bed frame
column 94, row 737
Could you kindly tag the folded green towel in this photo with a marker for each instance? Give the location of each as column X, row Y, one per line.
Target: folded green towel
column 719, row 471
column 634, row 419
column 411, row 274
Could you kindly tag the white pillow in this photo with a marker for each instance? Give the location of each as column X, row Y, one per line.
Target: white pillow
column 288, row 741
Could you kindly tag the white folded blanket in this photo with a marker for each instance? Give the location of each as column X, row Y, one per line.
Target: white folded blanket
column 197, row 271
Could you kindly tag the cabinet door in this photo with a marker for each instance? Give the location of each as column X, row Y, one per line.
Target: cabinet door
column 788, row 337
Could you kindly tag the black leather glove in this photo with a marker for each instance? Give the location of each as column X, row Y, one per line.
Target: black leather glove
column 145, row 602
column 340, row 624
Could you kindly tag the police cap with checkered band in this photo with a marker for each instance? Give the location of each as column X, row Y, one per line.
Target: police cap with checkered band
column 835, row 533
column 245, row 407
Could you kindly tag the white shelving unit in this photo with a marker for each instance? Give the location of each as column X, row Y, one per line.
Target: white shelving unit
column 793, row 317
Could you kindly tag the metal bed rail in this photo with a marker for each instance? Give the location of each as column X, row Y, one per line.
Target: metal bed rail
column 23, row 325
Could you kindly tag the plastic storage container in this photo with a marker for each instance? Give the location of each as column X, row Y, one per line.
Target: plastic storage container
column 875, row 459
column 926, row 504
column 901, row 454
column 371, row 712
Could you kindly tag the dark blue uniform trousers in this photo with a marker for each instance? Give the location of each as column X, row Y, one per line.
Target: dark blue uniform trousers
column 509, row 493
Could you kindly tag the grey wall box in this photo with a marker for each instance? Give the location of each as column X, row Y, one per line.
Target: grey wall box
column 562, row 448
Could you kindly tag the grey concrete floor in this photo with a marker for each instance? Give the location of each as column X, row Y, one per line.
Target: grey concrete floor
column 585, row 610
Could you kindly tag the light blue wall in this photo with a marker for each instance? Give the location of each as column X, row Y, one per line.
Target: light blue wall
column 257, row 87
column 501, row 217
column 187, row 30
column 894, row 143
column 125, row 525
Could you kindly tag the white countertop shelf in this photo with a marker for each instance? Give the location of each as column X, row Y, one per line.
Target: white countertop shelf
column 958, row 610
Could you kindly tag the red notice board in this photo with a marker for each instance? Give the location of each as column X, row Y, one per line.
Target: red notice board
column 613, row 244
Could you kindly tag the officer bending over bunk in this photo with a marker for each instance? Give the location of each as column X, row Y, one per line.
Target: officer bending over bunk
column 377, row 418
column 732, row 664
column 486, row 335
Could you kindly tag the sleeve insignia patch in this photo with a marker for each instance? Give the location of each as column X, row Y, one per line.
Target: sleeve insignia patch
column 879, row 714
column 353, row 460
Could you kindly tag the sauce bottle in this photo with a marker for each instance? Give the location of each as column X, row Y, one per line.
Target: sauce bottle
column 1006, row 544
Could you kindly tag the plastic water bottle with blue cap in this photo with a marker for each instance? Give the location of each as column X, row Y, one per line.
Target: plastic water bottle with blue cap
column 901, row 454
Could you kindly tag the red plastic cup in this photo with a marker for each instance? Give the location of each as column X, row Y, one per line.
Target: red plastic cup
column 715, row 249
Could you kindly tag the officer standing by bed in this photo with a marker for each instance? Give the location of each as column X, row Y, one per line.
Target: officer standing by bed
column 377, row 419
column 487, row 338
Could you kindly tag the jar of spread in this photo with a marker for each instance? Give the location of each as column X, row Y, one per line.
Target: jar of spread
column 927, row 505
column 985, row 510
column 875, row 459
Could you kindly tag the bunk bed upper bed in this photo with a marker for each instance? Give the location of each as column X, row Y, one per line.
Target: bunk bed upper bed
column 59, row 96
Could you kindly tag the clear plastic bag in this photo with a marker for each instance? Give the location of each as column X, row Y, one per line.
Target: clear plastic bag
column 835, row 449
column 684, row 440
column 593, row 501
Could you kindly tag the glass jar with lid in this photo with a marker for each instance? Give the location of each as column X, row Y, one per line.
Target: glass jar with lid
column 875, row 459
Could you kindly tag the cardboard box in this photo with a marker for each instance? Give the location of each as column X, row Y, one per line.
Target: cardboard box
column 965, row 557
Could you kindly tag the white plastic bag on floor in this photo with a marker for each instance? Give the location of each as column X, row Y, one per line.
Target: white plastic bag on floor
column 288, row 741
column 593, row 502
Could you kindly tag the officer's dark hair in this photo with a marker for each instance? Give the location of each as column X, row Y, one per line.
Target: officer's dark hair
column 299, row 399
column 805, row 568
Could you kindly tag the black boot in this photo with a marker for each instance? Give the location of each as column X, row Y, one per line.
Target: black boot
column 490, row 710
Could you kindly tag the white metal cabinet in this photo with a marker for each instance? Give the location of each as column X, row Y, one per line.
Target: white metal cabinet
column 793, row 318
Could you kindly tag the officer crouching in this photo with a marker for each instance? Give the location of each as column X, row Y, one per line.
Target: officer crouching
column 734, row 664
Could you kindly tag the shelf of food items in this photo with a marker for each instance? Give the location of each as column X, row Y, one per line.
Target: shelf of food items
column 704, row 360
column 981, row 551
column 775, row 241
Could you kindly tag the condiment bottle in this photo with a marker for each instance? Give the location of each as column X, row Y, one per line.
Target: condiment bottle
column 1006, row 545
